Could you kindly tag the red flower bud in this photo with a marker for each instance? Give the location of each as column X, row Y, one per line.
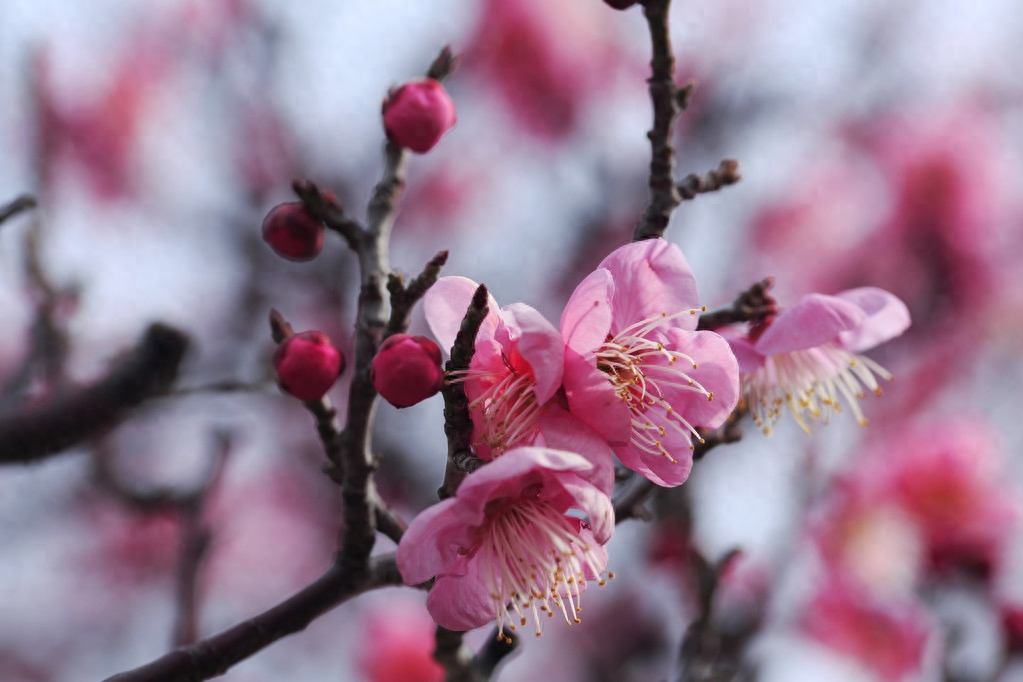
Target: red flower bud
column 307, row 365
column 417, row 114
column 406, row 370
column 293, row 232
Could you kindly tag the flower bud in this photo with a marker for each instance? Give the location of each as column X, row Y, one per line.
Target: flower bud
column 307, row 365
column 293, row 232
column 417, row 114
column 406, row 370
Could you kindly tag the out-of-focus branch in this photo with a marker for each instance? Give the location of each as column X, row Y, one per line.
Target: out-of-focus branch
column 215, row 655
column 20, row 204
column 404, row 298
column 753, row 305
column 457, row 421
column 326, row 207
column 459, row 662
column 668, row 101
column 727, row 173
column 699, row 653
column 32, row 433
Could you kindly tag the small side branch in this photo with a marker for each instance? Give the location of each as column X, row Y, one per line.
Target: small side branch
column 404, row 298
column 25, row 202
column 727, row 173
column 457, row 421
column 29, row 434
column 753, row 305
column 326, row 207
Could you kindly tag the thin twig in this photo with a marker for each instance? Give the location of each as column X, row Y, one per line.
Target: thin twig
column 404, row 298
column 457, row 420
column 727, row 173
column 23, row 203
column 326, row 207
column 753, row 305
column 32, row 433
column 217, row 654
column 668, row 101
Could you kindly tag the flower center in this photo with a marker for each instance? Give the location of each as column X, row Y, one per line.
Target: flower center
column 533, row 557
column 507, row 402
column 809, row 382
column 645, row 374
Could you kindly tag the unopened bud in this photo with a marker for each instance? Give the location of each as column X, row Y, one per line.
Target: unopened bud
column 293, row 232
column 307, row 365
column 406, row 370
column 417, row 114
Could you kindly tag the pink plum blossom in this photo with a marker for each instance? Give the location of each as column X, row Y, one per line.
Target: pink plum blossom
column 809, row 356
column 636, row 369
column 513, row 378
column 513, row 537
column 947, row 478
column 889, row 637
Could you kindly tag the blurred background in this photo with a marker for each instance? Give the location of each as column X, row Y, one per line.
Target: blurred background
column 880, row 144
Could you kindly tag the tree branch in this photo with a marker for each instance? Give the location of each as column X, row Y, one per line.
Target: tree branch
column 727, row 173
column 753, row 305
column 32, row 433
column 20, row 204
column 404, row 298
column 215, row 655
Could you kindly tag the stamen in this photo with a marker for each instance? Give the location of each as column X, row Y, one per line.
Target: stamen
column 810, row 384
column 508, row 403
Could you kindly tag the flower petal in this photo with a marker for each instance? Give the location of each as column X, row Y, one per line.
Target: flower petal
column 717, row 371
column 579, row 494
column 651, row 277
column 887, row 317
column 517, row 469
column 461, row 601
column 587, row 316
column 815, row 320
column 592, row 398
column 445, row 304
column 658, row 468
column 538, row 342
column 749, row 359
column 561, row 430
column 430, row 545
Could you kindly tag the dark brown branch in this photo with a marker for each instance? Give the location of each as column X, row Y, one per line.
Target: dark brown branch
column 458, row 661
column 216, row 655
column 702, row 644
column 753, row 305
column 32, row 433
column 404, row 298
column 23, row 203
column 727, row 173
column 457, row 421
column 326, row 207
column 668, row 101
column 444, row 65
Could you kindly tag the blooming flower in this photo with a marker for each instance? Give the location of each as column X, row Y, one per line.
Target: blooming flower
column 514, row 534
column 636, row 369
column 888, row 637
column 808, row 357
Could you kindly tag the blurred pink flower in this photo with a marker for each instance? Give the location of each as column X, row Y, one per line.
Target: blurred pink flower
column 809, row 356
column 636, row 369
column 397, row 645
column 889, row 638
column 947, row 479
column 513, row 533
column 543, row 59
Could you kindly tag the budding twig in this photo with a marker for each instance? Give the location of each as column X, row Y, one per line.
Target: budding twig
column 753, row 305
column 404, row 298
column 727, row 173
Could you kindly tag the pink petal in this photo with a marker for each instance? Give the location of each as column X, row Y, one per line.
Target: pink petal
column 430, row 545
column 561, row 430
column 651, row 277
column 658, row 468
column 717, row 371
column 539, row 344
column 445, row 305
column 815, row 320
column 587, row 316
column 580, row 495
column 749, row 359
column 887, row 317
column 461, row 601
column 593, row 399
column 514, row 471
